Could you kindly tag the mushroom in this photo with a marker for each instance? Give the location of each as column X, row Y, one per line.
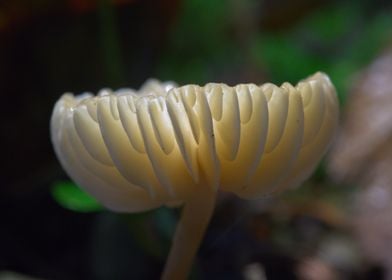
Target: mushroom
column 179, row 146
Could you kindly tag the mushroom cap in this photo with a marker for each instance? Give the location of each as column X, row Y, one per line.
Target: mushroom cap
column 135, row 151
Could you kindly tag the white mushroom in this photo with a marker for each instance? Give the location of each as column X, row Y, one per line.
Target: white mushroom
column 169, row 145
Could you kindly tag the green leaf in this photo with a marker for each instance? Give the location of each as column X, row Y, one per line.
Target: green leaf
column 71, row 197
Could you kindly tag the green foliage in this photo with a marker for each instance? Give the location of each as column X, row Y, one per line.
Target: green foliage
column 110, row 43
column 155, row 241
column 338, row 39
column 198, row 39
column 331, row 23
column 71, row 197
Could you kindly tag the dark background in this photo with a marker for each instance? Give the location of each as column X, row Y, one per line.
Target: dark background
column 325, row 229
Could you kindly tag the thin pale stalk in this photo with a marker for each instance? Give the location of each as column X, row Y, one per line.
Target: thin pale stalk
column 193, row 223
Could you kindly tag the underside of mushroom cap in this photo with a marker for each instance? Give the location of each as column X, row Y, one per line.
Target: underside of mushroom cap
column 135, row 151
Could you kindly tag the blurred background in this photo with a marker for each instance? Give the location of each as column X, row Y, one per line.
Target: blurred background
column 338, row 225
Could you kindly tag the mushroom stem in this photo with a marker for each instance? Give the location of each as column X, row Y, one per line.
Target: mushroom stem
column 190, row 230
